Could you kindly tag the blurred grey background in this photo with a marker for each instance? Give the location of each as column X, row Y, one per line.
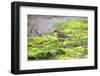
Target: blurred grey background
column 38, row 24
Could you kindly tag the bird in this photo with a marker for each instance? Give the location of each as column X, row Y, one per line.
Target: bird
column 61, row 34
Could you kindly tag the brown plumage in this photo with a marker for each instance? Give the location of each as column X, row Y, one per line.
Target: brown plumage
column 61, row 34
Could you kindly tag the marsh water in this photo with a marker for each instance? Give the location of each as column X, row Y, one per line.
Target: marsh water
column 38, row 24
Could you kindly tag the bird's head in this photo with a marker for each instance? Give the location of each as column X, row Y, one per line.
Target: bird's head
column 56, row 31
